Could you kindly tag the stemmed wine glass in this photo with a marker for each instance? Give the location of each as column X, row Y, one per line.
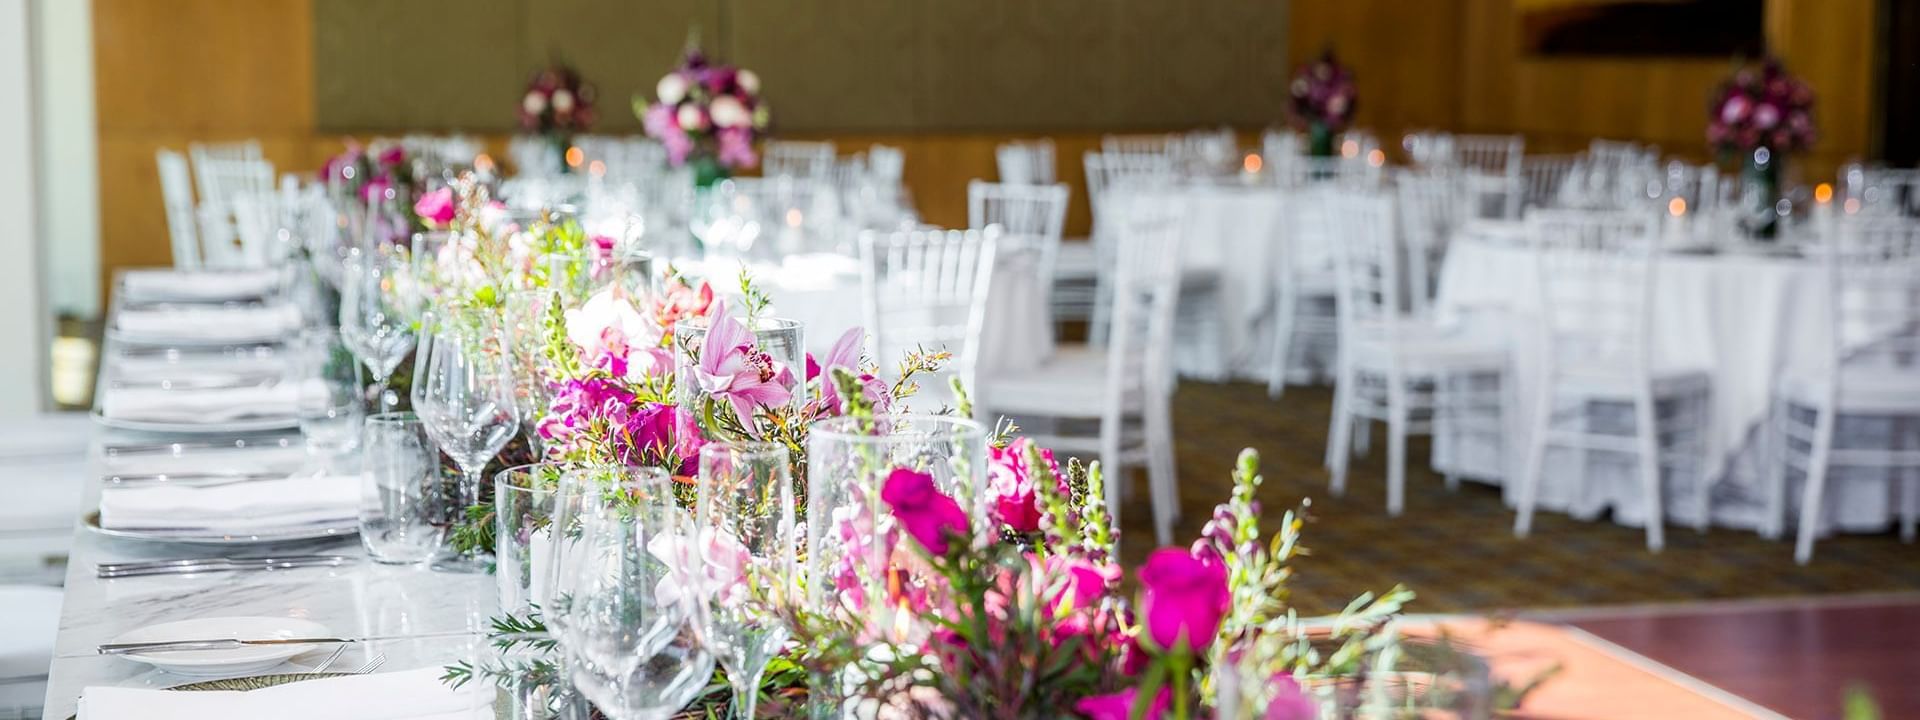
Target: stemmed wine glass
column 743, row 519
column 525, row 313
column 375, row 318
column 463, row 392
column 623, row 603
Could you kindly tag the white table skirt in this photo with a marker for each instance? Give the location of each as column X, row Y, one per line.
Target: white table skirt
column 1744, row 319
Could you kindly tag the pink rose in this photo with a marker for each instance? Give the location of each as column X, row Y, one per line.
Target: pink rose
column 393, row 156
column 927, row 514
column 1290, row 702
column 1010, row 491
column 1183, row 599
column 435, row 207
column 1086, row 581
column 1119, row 706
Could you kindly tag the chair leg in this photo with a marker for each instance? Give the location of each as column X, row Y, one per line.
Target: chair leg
column 1816, row 489
column 1362, row 436
column 1285, row 315
column 1774, row 454
column 1339, row 434
column 1162, row 481
column 1536, row 458
column 1397, row 417
column 1098, row 323
column 1697, row 456
column 1909, row 480
column 1648, row 433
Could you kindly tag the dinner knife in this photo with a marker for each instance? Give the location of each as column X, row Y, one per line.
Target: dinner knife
column 184, row 567
column 231, row 643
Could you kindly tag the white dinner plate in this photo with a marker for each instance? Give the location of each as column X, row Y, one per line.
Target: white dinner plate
column 208, row 537
column 122, row 337
column 230, row 661
column 229, row 427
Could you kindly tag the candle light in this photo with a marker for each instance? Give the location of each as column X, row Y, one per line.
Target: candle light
column 1350, row 148
column 1251, row 165
column 1376, row 157
column 1677, row 207
column 575, row 157
column 1823, row 193
column 597, row 168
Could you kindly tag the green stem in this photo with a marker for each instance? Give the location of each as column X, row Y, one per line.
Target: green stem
column 1182, row 674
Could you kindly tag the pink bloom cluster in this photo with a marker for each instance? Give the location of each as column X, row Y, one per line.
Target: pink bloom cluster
column 1010, row 479
column 1322, row 93
column 1761, row 106
column 707, row 109
column 369, row 172
column 557, row 101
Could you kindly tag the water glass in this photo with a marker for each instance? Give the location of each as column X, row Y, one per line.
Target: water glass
column 376, row 322
column 624, row 599
column 331, row 407
column 747, row 543
column 400, row 508
column 849, row 461
column 463, row 391
column 525, row 498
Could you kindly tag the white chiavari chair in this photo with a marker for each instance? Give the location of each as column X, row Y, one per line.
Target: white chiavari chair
column 1881, row 191
column 1147, row 144
column 1025, row 162
column 1032, row 216
column 176, row 191
column 886, row 164
column 1401, row 370
column 1597, row 281
column 1304, row 289
column 927, row 289
column 1870, row 376
column 1492, row 172
column 1208, row 151
column 225, row 172
column 1545, row 176
column 1126, row 386
column 1107, row 173
column 798, row 159
column 1429, row 213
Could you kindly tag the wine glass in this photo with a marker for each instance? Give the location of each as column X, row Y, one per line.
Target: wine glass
column 525, row 314
column 463, row 392
column 331, row 405
column 623, row 601
column 744, row 522
column 375, row 320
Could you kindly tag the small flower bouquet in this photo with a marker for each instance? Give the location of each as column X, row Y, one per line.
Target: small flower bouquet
column 558, row 104
column 368, row 172
column 1321, row 101
column 1760, row 115
column 708, row 114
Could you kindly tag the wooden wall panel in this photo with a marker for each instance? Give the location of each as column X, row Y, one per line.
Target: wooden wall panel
column 1405, row 57
column 444, row 64
column 831, row 65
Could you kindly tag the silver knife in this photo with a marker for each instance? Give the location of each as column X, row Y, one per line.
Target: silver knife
column 271, row 441
column 230, row 643
column 187, row 479
column 185, row 567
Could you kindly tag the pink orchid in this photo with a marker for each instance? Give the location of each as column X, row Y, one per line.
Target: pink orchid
column 1183, row 598
column 845, row 353
column 1119, row 706
column 615, row 337
column 927, row 514
column 734, row 369
column 713, row 563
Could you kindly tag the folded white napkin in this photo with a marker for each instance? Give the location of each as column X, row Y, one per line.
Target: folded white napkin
column 204, row 370
column 409, row 695
column 213, row 405
column 260, row 504
column 210, row 323
column 210, row 461
column 188, row 286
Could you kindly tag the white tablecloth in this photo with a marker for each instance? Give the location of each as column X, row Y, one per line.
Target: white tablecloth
column 1236, row 232
column 1742, row 318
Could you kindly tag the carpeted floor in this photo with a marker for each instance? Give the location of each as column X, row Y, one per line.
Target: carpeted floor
column 1457, row 550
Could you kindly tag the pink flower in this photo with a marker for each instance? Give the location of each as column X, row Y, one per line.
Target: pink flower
column 1766, row 116
column 1734, row 110
column 678, row 302
column 1183, row 599
column 393, row 156
column 1010, row 491
column 1290, row 702
column 376, row 188
column 435, row 207
column 1086, row 581
column 845, row 354
column 927, row 514
column 1119, row 706
column 609, row 331
column 736, row 148
column 733, row 369
column 662, row 435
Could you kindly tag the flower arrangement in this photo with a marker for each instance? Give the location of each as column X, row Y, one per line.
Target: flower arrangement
column 484, row 253
column 706, row 113
column 368, row 172
column 558, row 103
column 1761, row 105
column 1321, row 101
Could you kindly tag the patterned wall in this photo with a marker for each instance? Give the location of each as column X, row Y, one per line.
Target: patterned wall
column 828, row 65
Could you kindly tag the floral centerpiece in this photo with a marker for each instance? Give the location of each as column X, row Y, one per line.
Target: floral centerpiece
column 1321, row 101
column 707, row 114
column 1759, row 115
column 557, row 105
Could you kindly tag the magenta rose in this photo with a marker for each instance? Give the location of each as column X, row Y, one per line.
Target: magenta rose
column 1290, row 702
column 435, row 207
column 1010, row 490
column 663, row 433
column 1119, row 706
column 927, row 514
column 1183, row 598
column 393, row 156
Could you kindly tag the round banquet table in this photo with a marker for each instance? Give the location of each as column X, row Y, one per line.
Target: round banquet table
column 1234, row 234
column 1742, row 317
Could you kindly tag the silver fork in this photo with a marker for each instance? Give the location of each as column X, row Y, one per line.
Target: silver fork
column 338, row 650
column 373, row 663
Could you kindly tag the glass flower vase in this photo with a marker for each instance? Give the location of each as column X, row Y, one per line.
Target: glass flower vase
column 1760, row 178
column 525, row 500
column 743, row 384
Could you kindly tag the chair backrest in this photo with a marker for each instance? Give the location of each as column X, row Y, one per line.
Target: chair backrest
column 223, row 170
column 1208, row 150
column 1367, row 262
column 1429, row 210
column 1109, row 172
column 1881, row 191
column 1544, row 177
column 1873, row 277
column 1028, row 216
column 927, row 289
column 798, row 159
column 1146, row 291
column 1027, row 162
column 1160, row 144
column 176, row 192
column 886, row 163
column 1596, row 283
